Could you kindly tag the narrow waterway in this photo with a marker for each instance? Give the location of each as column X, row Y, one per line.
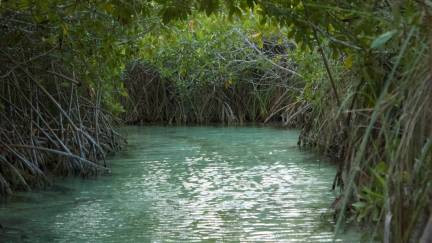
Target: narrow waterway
column 187, row 184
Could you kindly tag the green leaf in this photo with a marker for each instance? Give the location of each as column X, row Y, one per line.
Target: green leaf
column 348, row 62
column 359, row 205
column 382, row 39
column 381, row 167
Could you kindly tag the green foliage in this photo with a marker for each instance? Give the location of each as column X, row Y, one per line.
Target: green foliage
column 372, row 197
column 201, row 51
column 382, row 39
column 240, row 65
column 94, row 39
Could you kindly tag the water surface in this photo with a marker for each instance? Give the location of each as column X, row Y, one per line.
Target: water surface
column 188, row 184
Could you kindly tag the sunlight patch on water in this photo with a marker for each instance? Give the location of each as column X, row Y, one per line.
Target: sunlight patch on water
column 190, row 184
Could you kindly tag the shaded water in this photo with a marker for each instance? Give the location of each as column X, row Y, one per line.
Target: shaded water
column 176, row 184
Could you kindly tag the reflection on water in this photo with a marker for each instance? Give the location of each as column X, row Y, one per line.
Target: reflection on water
column 176, row 184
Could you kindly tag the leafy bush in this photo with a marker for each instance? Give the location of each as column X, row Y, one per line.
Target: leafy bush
column 214, row 70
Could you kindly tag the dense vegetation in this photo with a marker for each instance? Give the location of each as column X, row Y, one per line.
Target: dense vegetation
column 58, row 75
column 211, row 70
column 353, row 75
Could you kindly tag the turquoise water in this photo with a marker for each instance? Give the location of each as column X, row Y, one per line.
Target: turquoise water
column 187, row 184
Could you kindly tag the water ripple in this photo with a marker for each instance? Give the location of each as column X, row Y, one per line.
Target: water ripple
column 196, row 184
